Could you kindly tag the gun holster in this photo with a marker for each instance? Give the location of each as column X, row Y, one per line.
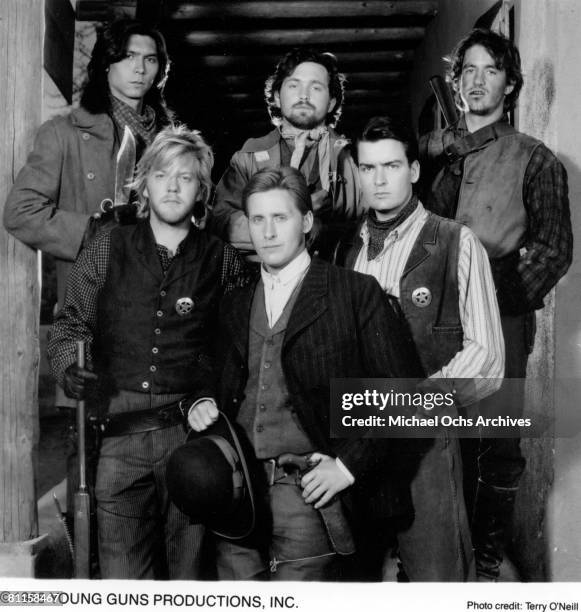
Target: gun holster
column 332, row 513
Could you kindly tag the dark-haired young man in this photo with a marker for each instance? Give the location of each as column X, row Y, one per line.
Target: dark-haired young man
column 304, row 97
column 303, row 323
column 439, row 273
column 71, row 169
column 57, row 195
column 512, row 192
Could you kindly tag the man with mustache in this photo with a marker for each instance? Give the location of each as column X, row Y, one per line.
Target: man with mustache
column 304, row 97
column 144, row 298
column 511, row 191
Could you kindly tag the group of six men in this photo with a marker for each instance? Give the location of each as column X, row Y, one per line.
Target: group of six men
column 415, row 295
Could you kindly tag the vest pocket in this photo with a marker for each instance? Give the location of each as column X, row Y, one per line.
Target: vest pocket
column 453, row 330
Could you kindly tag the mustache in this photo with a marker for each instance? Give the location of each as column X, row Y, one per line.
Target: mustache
column 303, row 104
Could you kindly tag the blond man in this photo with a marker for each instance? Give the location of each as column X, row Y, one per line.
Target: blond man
column 144, row 299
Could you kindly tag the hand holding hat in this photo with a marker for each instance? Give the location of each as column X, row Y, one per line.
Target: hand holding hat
column 202, row 414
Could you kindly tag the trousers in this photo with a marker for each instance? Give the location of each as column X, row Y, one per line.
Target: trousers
column 141, row 534
column 294, row 546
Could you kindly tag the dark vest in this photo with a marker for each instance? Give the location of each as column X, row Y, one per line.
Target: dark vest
column 490, row 196
column 143, row 343
column 433, row 264
column 266, row 413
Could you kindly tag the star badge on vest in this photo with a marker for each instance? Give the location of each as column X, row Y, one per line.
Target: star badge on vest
column 184, row 306
column 421, row 297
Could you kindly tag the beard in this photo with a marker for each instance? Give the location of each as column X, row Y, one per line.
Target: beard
column 301, row 121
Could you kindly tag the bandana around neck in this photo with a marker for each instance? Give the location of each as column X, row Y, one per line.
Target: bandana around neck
column 302, row 139
column 378, row 230
column 141, row 125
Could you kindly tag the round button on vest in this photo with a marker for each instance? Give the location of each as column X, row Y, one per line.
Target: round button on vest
column 145, row 385
column 152, row 369
column 90, row 175
column 85, row 136
column 159, row 313
column 155, row 350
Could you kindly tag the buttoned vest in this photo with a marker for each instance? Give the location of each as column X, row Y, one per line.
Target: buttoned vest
column 266, row 414
column 154, row 330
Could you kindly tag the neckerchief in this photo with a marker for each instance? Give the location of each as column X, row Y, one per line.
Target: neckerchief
column 142, row 126
column 378, row 230
column 299, row 140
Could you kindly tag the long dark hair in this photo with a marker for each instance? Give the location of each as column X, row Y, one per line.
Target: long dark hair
column 286, row 67
column 111, row 47
column 503, row 52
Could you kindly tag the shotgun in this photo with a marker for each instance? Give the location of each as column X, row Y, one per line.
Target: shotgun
column 444, row 98
column 82, row 498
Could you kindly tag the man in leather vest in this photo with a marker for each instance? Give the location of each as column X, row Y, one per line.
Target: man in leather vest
column 303, row 323
column 438, row 272
column 304, row 97
column 512, row 192
column 144, row 298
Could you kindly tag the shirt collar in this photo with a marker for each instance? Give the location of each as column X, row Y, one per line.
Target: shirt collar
column 291, row 272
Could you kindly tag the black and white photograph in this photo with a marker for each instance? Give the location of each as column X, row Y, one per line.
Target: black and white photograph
column 290, row 304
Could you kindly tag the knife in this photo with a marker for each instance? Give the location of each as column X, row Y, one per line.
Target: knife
column 124, row 170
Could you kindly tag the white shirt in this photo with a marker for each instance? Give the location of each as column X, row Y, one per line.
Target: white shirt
column 482, row 354
column 278, row 288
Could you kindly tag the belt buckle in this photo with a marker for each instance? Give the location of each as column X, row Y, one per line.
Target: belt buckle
column 272, row 471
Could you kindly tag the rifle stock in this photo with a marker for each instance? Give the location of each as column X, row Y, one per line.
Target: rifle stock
column 82, row 499
column 444, row 98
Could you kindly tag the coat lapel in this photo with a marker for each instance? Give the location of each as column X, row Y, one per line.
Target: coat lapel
column 423, row 246
column 312, row 300
column 236, row 317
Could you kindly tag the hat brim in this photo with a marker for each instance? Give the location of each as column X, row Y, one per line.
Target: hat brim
column 233, row 521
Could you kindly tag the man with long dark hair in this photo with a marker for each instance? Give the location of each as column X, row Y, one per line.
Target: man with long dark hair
column 71, row 169
column 54, row 204
column 304, row 98
column 511, row 191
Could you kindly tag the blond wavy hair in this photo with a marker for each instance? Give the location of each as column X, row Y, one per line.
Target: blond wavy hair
column 171, row 143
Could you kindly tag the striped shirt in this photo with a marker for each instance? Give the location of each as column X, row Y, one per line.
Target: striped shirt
column 482, row 354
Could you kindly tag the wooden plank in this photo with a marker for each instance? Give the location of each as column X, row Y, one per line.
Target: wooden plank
column 281, row 37
column 105, row 10
column 282, row 9
column 248, row 83
column 267, row 62
column 21, row 96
